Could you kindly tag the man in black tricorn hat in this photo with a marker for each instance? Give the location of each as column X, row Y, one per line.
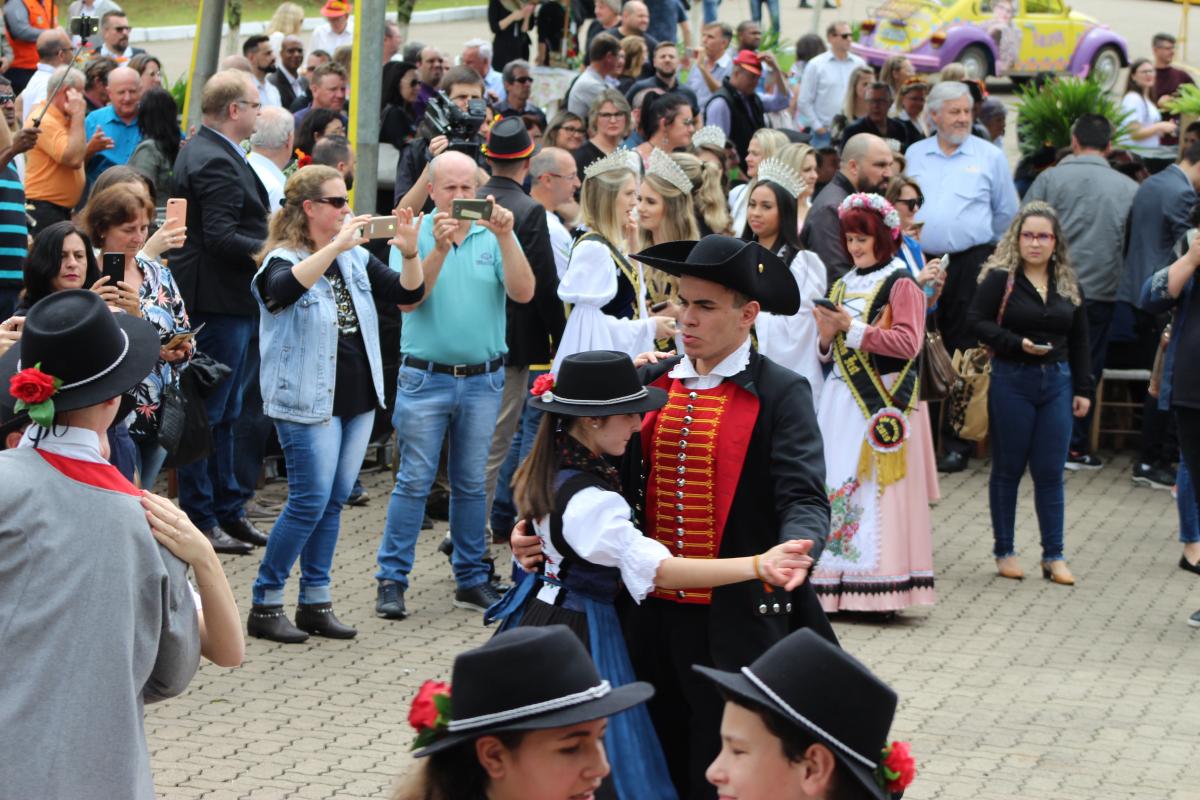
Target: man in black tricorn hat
column 730, row 466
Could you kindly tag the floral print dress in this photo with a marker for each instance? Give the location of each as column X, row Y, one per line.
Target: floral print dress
column 162, row 306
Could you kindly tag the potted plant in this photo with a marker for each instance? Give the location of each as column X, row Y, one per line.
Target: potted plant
column 1185, row 104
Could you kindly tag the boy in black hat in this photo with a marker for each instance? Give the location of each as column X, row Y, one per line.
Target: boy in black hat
column 732, row 465
column 99, row 618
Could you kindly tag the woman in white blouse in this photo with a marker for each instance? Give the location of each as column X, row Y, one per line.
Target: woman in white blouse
column 1145, row 119
column 605, row 291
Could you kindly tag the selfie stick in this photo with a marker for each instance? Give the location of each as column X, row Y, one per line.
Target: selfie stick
column 50, row 98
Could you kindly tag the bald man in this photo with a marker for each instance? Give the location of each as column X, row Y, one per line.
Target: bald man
column 452, row 346
column 54, row 50
column 118, row 120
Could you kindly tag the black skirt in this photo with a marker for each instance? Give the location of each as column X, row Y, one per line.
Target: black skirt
column 539, row 613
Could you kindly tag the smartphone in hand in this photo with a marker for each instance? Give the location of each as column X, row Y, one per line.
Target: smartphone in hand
column 176, row 210
column 825, row 302
column 464, row 208
column 113, row 265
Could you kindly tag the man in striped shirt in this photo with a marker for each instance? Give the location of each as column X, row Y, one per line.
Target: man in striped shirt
column 14, row 232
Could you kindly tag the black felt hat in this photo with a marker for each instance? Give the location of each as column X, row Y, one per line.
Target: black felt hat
column 10, row 420
column 825, row 692
column 746, row 267
column 596, row 383
column 529, row 679
column 509, row 140
column 74, row 337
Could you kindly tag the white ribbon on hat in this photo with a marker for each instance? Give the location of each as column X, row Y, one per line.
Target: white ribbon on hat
column 548, row 397
column 594, row 693
column 808, row 722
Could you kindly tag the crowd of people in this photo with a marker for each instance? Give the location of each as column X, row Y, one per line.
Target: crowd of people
column 665, row 341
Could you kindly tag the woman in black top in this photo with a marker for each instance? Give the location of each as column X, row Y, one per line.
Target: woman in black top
column 322, row 381
column 510, row 21
column 1028, row 309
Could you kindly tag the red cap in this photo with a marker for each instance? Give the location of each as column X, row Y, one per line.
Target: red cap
column 335, row 8
column 749, row 60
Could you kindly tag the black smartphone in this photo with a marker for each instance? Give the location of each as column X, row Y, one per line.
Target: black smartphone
column 85, row 27
column 461, row 208
column 657, row 307
column 113, row 265
column 825, row 302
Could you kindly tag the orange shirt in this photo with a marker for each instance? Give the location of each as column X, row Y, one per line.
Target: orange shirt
column 45, row 176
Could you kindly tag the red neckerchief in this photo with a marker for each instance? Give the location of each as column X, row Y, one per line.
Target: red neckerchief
column 102, row 476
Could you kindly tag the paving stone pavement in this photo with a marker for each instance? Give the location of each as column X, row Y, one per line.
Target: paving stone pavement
column 1007, row 689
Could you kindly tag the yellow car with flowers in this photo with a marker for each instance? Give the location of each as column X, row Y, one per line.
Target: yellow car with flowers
column 1008, row 38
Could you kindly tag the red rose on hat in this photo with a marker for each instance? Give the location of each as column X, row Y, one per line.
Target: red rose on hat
column 425, row 712
column 898, row 767
column 542, row 384
column 32, row 386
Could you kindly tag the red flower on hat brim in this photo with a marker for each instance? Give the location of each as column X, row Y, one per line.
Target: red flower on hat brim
column 34, row 391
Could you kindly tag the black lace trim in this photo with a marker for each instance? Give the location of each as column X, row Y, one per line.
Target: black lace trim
column 878, row 587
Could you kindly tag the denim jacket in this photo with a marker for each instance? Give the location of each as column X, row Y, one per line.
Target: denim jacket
column 298, row 343
column 1155, row 299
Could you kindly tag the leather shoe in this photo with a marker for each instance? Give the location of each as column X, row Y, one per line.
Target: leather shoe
column 1056, row 571
column 1189, row 566
column 243, row 530
column 952, row 462
column 223, row 543
column 269, row 622
column 319, row 620
column 1009, row 567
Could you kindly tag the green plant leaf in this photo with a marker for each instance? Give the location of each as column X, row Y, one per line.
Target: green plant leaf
column 442, row 703
column 43, row 413
column 1046, row 113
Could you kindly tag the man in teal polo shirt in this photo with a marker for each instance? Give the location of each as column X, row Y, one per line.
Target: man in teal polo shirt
column 452, row 346
column 118, row 119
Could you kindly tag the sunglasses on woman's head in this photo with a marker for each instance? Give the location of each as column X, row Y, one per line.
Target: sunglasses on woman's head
column 335, row 202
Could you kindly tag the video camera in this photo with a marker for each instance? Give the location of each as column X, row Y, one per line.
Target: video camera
column 444, row 118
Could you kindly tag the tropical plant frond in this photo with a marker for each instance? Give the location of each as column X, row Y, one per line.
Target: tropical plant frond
column 1046, row 113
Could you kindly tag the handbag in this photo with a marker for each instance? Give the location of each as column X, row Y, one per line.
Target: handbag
column 968, row 399
column 938, row 374
column 196, row 381
column 171, row 417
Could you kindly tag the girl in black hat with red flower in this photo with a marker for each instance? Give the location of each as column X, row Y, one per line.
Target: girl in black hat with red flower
column 593, row 550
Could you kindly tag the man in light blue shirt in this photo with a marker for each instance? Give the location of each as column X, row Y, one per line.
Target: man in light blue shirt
column 452, row 347
column 823, row 89
column 969, row 202
column 118, row 119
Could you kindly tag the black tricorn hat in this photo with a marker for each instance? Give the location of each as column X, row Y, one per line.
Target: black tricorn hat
column 597, row 383
column 75, row 338
column 528, row 679
column 824, row 691
column 509, row 140
column 745, row 267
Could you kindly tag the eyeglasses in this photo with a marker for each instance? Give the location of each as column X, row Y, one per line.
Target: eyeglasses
column 611, row 115
column 1041, row 238
column 556, row 175
column 412, row 83
column 913, row 203
column 248, row 103
column 7, row 98
column 333, row 202
column 572, row 129
column 525, row 79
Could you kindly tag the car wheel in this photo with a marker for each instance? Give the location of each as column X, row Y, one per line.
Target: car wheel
column 1106, row 68
column 975, row 60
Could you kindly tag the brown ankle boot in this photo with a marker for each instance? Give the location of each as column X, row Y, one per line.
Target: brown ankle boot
column 1009, row 567
column 1057, row 572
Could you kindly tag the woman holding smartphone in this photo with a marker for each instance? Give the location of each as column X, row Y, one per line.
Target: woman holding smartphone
column 1029, row 311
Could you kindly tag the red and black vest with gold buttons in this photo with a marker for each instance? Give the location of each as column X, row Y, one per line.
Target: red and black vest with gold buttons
column 694, row 448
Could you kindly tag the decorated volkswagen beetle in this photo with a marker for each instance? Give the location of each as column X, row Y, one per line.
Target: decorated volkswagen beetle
column 1012, row 38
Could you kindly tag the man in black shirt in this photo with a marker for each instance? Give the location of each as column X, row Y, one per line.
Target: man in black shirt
column 635, row 20
column 518, row 84
column 877, row 121
column 665, row 77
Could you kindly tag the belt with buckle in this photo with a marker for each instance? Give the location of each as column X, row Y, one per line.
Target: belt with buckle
column 457, row 370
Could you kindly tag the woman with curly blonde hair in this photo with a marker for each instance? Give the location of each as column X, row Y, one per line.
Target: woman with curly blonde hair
column 708, row 196
column 1029, row 311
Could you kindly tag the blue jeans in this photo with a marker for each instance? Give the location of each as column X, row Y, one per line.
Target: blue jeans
column 208, row 489
column 772, row 9
column 710, row 10
column 322, row 462
column 8, row 301
column 1185, row 502
column 427, row 404
column 504, row 513
column 253, row 428
column 1029, row 424
column 151, row 456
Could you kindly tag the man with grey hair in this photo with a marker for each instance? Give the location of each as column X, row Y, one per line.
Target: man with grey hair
column 271, row 150
column 608, row 16
column 336, row 152
column 518, row 84
column 553, row 182
column 54, row 167
column 969, row 202
column 477, row 54
column 867, row 166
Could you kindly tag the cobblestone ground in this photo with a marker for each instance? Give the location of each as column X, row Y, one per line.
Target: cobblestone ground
column 1008, row 689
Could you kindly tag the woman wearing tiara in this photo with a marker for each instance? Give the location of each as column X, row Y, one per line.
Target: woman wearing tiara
column 605, row 291
column 765, row 143
column 771, row 221
column 708, row 196
column 708, row 144
column 879, row 554
column 665, row 214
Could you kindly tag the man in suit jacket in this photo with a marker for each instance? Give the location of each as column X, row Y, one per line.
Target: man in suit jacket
column 533, row 329
column 227, row 214
column 866, row 167
column 293, row 88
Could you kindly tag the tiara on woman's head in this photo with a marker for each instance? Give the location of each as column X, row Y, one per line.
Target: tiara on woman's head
column 663, row 166
column 775, row 171
column 709, row 135
column 617, row 159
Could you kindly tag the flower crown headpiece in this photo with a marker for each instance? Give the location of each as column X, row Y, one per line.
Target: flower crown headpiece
column 709, row 135
column 430, row 713
column 896, row 769
column 872, row 202
column 617, row 159
column 775, row 171
column 663, row 166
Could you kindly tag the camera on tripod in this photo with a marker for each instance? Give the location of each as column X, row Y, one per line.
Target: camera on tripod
column 444, row 118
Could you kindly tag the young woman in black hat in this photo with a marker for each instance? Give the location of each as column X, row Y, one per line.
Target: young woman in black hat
column 592, row 549
column 524, row 718
column 807, row 720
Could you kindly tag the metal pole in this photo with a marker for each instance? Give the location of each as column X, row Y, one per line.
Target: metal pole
column 206, row 52
column 366, row 79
